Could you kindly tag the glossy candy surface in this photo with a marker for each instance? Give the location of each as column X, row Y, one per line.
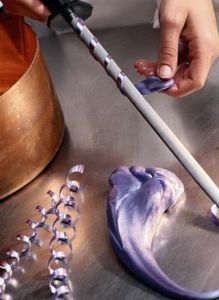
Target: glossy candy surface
column 138, row 198
column 153, row 84
column 214, row 214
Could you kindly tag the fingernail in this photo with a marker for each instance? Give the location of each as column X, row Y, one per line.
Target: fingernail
column 165, row 71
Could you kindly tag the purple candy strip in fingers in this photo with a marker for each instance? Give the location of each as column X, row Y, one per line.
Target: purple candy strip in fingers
column 149, row 114
column 153, row 84
column 138, row 199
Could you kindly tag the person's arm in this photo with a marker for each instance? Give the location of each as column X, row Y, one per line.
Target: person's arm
column 194, row 23
column 32, row 8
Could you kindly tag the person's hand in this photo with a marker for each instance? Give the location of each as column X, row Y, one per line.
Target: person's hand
column 191, row 22
column 32, row 8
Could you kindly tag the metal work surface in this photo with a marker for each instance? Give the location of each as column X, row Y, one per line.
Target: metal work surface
column 103, row 131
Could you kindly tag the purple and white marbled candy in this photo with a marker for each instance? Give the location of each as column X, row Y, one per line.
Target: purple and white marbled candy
column 138, row 198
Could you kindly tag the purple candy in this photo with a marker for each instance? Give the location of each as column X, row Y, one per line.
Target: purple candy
column 214, row 214
column 153, row 84
column 138, row 198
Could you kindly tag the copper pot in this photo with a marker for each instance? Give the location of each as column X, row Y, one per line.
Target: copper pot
column 31, row 121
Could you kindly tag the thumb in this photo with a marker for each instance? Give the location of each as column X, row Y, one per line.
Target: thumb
column 168, row 54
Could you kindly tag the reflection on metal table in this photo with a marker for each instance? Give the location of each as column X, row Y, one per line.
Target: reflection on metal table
column 103, row 131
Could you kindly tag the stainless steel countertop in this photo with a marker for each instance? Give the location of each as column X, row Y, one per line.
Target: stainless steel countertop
column 103, row 131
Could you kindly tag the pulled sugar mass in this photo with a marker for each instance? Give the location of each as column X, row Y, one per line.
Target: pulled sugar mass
column 138, row 198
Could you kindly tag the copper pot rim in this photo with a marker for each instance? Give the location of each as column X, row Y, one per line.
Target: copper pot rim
column 22, row 79
column 57, row 129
